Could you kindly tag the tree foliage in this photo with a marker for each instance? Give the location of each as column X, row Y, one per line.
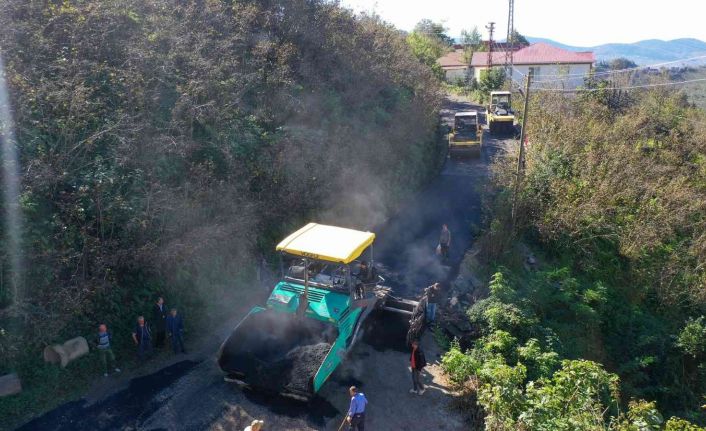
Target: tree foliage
column 524, row 372
column 619, row 63
column 164, row 143
column 471, row 41
column 428, row 50
column 692, row 338
column 614, row 196
column 518, row 39
column 435, row 31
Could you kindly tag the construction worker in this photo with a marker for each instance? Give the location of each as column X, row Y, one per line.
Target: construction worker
column 142, row 336
column 159, row 320
column 363, row 272
column 356, row 411
column 105, row 350
column 444, row 242
column 175, row 331
column 366, row 277
column 417, row 362
column 433, row 294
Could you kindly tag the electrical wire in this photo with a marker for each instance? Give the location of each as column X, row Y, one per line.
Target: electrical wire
column 612, row 72
column 630, row 87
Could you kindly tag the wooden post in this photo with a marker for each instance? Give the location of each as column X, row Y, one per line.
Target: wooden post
column 521, row 157
column 523, row 129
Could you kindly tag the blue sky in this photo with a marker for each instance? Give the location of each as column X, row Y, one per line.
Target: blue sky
column 581, row 23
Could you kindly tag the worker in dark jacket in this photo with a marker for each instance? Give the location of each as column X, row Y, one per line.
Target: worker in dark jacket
column 159, row 320
column 142, row 337
column 175, row 331
column 417, row 362
column 433, row 294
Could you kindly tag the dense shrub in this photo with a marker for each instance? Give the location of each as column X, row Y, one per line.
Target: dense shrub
column 519, row 378
column 166, row 144
column 613, row 199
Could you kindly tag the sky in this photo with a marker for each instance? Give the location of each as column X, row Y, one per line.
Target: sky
column 578, row 23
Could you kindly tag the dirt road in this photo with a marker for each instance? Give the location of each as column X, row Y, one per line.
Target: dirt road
column 190, row 394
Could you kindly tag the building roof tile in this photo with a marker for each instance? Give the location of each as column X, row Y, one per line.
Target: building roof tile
column 538, row 53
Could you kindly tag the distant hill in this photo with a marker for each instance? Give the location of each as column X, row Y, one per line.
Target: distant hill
column 643, row 52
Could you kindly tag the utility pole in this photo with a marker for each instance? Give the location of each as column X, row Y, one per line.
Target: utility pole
column 491, row 30
column 509, row 41
column 521, row 158
column 523, row 129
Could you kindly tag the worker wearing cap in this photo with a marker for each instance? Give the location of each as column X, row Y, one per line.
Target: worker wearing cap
column 356, row 412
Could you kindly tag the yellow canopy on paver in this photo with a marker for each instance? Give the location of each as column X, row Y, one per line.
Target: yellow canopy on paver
column 330, row 243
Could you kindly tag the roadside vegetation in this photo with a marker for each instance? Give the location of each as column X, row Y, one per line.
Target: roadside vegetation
column 165, row 146
column 429, row 41
column 604, row 328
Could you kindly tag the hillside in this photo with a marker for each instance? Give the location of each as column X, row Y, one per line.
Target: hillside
column 595, row 262
column 642, row 52
column 165, row 145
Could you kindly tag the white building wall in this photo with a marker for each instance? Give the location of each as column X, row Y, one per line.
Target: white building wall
column 563, row 76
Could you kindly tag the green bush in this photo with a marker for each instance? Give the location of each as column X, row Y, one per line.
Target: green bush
column 613, row 198
column 677, row 424
column 692, row 338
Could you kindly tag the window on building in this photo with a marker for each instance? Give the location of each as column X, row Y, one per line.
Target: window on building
column 534, row 72
column 564, row 69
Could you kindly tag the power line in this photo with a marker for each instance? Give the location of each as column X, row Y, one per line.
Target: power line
column 611, row 72
column 631, row 87
column 520, row 72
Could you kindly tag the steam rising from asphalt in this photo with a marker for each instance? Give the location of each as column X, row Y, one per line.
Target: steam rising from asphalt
column 11, row 189
column 364, row 204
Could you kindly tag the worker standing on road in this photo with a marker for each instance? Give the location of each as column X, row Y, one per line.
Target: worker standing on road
column 356, row 411
column 175, row 330
column 105, row 351
column 417, row 362
column 444, row 242
column 159, row 320
column 142, row 337
column 432, row 293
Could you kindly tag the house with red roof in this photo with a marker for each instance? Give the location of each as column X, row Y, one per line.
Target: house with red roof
column 543, row 61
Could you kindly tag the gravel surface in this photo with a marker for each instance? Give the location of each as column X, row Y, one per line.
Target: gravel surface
column 272, row 351
column 305, row 362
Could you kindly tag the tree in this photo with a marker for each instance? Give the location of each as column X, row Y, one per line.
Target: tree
column 692, row 338
column 436, row 31
column 620, row 63
column 518, row 39
column 427, row 50
column 472, row 41
column 491, row 80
